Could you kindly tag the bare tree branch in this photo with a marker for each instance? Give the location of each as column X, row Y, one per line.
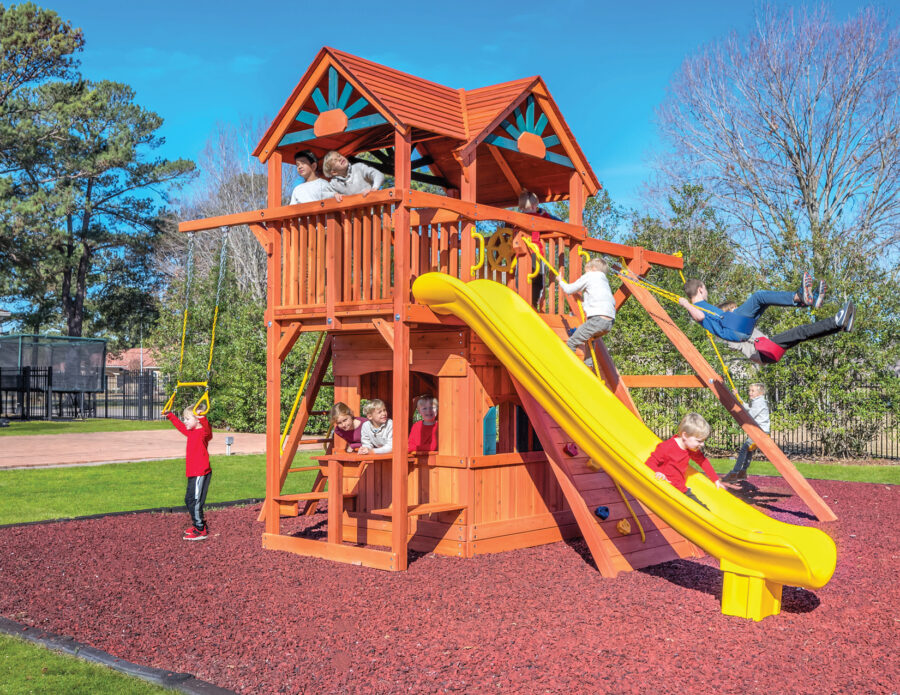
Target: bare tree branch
column 795, row 130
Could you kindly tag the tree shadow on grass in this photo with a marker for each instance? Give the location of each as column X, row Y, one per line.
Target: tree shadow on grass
column 766, row 499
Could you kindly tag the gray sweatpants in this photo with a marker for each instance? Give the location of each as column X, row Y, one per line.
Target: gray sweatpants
column 593, row 327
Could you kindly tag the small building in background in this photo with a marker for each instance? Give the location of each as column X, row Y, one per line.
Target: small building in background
column 131, row 360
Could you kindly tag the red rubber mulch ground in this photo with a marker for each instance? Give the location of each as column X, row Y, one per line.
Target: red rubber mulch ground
column 539, row 620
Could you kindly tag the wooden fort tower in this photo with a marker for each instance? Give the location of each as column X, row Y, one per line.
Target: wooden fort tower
column 346, row 269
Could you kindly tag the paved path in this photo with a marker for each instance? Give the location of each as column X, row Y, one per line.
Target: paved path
column 109, row 447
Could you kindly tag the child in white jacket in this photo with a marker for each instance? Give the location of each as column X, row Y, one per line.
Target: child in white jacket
column 599, row 305
column 759, row 411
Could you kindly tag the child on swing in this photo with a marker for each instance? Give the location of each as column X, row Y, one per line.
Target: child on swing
column 736, row 325
column 197, row 469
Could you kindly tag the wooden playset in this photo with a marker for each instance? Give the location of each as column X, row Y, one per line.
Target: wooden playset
column 505, row 475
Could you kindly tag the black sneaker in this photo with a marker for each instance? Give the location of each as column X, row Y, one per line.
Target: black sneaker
column 806, row 290
column 844, row 318
column 819, row 295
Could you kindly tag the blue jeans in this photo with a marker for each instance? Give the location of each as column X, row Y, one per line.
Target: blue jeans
column 758, row 302
column 745, row 456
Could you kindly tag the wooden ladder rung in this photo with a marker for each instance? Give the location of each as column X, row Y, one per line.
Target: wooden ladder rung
column 300, row 496
column 306, row 468
column 421, row 509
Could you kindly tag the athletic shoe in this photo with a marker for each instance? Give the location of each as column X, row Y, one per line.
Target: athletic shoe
column 820, row 295
column 193, row 534
column 806, row 289
column 730, row 477
column 844, row 318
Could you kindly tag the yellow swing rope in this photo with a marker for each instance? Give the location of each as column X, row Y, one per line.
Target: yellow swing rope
column 537, row 252
column 715, row 347
column 625, row 275
column 312, row 360
column 198, row 408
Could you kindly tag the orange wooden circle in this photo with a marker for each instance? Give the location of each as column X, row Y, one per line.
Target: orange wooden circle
column 532, row 144
column 331, row 123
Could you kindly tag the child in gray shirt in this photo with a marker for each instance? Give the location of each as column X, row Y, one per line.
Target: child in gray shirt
column 378, row 433
column 759, row 411
column 348, row 179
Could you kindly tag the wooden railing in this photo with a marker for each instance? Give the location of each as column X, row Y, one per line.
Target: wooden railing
column 338, row 257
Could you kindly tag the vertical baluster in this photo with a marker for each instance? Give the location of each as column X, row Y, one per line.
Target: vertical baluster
column 387, row 251
column 377, row 292
column 320, row 259
column 367, row 290
column 303, row 265
column 454, row 249
column 356, row 267
column 345, row 260
column 295, row 263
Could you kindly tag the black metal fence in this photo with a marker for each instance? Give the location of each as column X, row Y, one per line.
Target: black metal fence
column 26, row 393
column 133, row 395
column 29, row 394
column 836, row 429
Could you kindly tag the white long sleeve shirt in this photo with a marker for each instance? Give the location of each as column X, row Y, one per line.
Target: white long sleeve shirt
column 359, row 177
column 759, row 411
column 594, row 288
column 380, row 440
column 311, row 191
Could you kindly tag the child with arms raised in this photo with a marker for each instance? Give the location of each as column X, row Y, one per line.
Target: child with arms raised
column 197, row 469
column 670, row 459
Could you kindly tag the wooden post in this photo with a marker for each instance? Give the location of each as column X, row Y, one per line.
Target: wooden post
column 273, row 187
column 273, row 379
column 400, row 466
column 468, row 192
column 576, row 199
column 335, row 501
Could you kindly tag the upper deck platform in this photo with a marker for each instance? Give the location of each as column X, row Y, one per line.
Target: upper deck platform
column 337, row 260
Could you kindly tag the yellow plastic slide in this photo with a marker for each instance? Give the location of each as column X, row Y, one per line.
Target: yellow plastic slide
column 758, row 554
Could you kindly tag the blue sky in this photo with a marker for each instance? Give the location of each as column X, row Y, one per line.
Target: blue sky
column 606, row 63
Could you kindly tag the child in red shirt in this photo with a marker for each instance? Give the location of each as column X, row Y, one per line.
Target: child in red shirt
column 198, row 432
column 423, row 435
column 670, row 458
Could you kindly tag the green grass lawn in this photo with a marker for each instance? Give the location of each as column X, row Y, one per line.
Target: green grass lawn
column 53, row 493
column 27, row 668
column 889, row 475
column 17, row 427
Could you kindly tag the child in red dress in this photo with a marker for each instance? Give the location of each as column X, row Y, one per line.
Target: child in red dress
column 670, row 458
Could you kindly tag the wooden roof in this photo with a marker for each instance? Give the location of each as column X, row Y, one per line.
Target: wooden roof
column 515, row 129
